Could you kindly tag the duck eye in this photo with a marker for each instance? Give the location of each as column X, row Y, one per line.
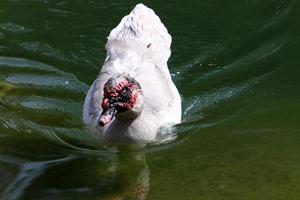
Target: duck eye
column 124, row 90
column 124, row 93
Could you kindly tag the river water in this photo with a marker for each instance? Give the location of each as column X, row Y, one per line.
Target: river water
column 235, row 64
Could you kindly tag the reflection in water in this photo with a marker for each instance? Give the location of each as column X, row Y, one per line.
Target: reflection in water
column 123, row 176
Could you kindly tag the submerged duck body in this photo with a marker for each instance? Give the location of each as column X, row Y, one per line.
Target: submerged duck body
column 133, row 95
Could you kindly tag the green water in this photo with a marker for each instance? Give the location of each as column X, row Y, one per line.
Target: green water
column 235, row 64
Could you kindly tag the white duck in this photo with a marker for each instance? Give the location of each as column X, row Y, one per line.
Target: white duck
column 133, row 96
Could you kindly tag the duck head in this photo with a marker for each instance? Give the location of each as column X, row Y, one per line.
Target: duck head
column 122, row 98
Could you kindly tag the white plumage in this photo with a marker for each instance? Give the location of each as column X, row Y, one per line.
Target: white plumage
column 139, row 47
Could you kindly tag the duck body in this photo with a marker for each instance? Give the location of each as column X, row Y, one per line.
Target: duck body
column 138, row 49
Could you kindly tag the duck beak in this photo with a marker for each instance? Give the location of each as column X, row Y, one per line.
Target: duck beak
column 107, row 116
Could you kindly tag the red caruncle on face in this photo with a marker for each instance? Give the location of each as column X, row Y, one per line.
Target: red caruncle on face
column 123, row 96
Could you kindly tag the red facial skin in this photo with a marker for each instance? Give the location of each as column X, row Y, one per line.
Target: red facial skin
column 117, row 99
column 105, row 104
column 110, row 93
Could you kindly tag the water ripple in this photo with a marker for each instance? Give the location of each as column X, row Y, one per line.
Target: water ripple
column 28, row 99
column 14, row 28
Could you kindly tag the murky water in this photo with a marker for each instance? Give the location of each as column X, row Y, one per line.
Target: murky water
column 235, row 64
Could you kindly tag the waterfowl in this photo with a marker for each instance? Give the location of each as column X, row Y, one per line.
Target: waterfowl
column 133, row 96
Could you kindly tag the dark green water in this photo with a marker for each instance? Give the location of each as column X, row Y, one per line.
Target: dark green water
column 235, row 64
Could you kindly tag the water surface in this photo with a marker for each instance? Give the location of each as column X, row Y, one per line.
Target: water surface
column 234, row 63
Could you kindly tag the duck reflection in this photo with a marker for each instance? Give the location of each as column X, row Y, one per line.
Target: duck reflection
column 109, row 177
